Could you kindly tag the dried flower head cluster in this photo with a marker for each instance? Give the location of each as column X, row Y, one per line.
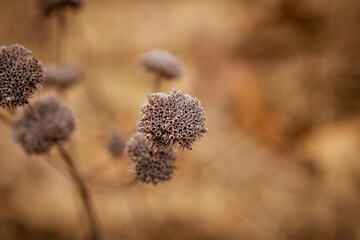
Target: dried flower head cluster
column 172, row 119
column 20, row 75
column 116, row 144
column 150, row 166
column 162, row 63
column 49, row 6
column 62, row 76
column 48, row 122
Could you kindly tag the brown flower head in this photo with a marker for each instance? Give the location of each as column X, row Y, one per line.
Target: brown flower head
column 20, row 75
column 162, row 63
column 46, row 124
column 172, row 119
column 150, row 166
column 62, row 76
column 49, row 6
column 116, row 144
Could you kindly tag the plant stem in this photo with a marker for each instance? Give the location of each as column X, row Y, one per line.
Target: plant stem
column 157, row 83
column 33, row 112
column 114, row 187
column 61, row 27
column 84, row 193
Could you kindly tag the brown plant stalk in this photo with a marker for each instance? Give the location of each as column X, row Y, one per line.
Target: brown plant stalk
column 157, row 83
column 83, row 192
column 61, row 31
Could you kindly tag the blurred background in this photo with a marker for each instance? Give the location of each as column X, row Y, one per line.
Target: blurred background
column 279, row 79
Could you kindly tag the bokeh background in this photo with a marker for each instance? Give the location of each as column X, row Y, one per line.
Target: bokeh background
column 280, row 81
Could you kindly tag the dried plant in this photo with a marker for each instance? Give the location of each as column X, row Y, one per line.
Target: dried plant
column 116, row 144
column 162, row 63
column 62, row 76
column 57, row 9
column 172, row 119
column 168, row 120
column 47, row 123
column 21, row 75
column 150, row 166
column 84, row 193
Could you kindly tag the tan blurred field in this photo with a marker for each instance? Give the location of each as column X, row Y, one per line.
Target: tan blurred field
column 279, row 80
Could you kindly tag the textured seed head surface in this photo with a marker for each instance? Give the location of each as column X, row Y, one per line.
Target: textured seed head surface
column 150, row 166
column 172, row 119
column 48, row 122
column 49, row 6
column 20, row 75
column 116, row 144
column 162, row 63
column 62, row 76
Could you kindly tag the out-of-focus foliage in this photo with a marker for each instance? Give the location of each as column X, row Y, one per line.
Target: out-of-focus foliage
column 280, row 83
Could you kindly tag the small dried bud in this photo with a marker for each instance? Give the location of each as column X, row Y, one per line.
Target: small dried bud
column 20, row 75
column 116, row 144
column 162, row 63
column 62, row 76
column 48, row 122
column 172, row 119
column 150, row 166
column 48, row 6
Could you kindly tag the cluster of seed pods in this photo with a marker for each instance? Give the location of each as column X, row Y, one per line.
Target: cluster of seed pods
column 174, row 119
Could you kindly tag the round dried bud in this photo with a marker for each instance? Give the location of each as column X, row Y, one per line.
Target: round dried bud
column 20, row 75
column 162, row 63
column 49, row 6
column 172, row 119
column 48, row 122
column 62, row 76
column 150, row 166
column 116, row 144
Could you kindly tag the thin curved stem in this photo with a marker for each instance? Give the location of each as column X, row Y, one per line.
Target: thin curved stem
column 116, row 187
column 83, row 192
column 33, row 112
column 61, row 27
column 90, row 182
column 61, row 171
column 157, row 83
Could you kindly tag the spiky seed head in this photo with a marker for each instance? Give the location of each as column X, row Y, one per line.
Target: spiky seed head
column 172, row 119
column 49, row 6
column 116, row 144
column 21, row 75
column 47, row 123
column 62, row 76
column 162, row 63
column 150, row 166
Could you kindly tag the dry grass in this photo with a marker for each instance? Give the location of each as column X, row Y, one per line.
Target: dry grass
column 280, row 160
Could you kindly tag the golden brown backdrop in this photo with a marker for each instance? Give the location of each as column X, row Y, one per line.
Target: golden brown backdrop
column 280, row 82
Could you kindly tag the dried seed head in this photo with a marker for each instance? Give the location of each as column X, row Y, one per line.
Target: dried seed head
column 116, row 144
column 150, row 166
column 20, row 75
column 62, row 76
column 172, row 119
column 47, row 123
column 49, row 6
column 162, row 63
